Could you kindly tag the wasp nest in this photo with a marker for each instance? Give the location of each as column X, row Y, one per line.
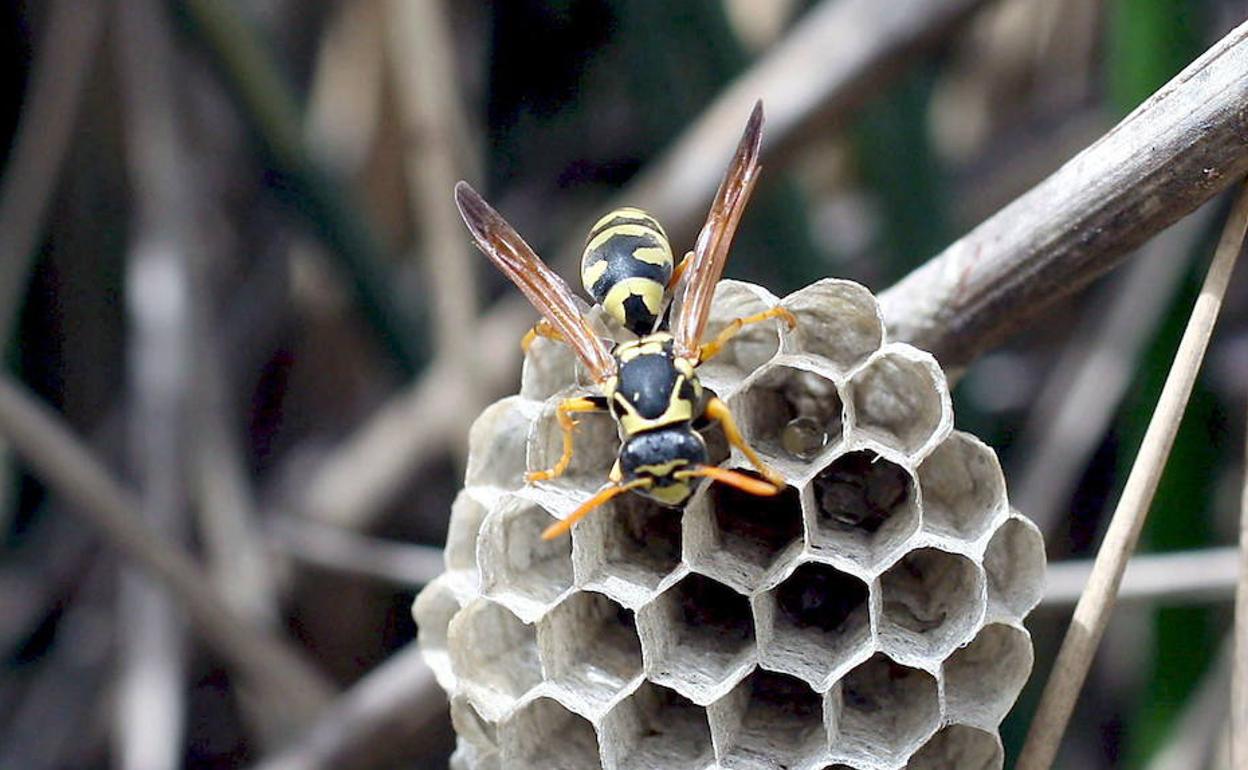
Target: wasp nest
column 868, row 617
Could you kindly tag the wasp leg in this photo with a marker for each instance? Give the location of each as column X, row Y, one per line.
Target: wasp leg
column 542, row 328
column 564, row 413
column 603, row 495
column 718, row 410
column 711, row 349
column 680, row 269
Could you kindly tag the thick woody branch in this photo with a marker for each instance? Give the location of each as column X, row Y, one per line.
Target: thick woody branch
column 1180, row 148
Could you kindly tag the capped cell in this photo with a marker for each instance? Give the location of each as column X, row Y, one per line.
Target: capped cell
column 656, row 727
column 589, row 650
column 697, row 637
column 932, row 601
column 862, row 508
column 900, row 400
column 815, row 624
column 963, row 488
column 884, row 710
column 519, row 568
column 769, row 720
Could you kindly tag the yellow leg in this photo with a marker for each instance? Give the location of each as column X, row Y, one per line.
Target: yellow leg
column 604, row 495
column 564, row 414
column 680, row 269
column 540, row 329
column 711, row 349
column 718, row 410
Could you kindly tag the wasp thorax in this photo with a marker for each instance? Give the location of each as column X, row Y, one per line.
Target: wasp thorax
column 870, row 616
column 626, row 268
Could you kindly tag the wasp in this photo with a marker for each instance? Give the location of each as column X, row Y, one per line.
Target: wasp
column 649, row 384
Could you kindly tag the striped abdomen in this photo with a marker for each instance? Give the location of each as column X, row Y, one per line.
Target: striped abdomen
column 626, row 267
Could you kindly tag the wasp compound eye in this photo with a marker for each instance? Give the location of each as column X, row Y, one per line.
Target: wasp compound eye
column 868, row 616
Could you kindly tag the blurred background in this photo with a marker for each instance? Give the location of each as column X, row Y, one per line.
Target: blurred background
column 230, row 263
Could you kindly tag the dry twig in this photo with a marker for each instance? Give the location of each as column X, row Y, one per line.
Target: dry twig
column 1239, row 676
column 330, row 547
column 1174, row 152
column 65, row 465
column 1094, row 607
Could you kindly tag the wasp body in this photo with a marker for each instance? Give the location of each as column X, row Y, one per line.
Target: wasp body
column 649, row 384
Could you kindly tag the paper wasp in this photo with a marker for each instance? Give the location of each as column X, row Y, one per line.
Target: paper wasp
column 649, row 384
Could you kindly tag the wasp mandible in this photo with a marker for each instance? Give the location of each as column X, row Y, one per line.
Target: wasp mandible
column 649, row 384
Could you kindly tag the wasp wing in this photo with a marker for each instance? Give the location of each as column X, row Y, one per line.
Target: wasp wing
column 547, row 292
column 710, row 253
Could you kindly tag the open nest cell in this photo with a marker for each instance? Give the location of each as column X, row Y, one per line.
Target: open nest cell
column 963, row 488
column 960, row 747
column 697, row 638
column 769, row 720
column 752, row 347
column 900, row 400
column 790, row 412
column 543, row 735
column 863, row 508
column 1014, row 562
column 628, row 549
column 497, row 445
column 657, row 727
column 838, row 320
column 885, row 710
column 518, row 568
column 983, row 679
column 932, row 600
column 814, row 624
column 467, row 513
column 740, row 538
column 494, row 656
column 589, row 650
column 596, row 444
column 548, row 368
column 432, row 611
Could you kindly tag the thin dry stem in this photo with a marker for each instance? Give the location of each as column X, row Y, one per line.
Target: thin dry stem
column 1239, row 677
column 1094, row 607
column 69, row 469
column 341, row 550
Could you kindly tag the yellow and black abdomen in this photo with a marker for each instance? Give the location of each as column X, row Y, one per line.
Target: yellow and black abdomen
column 626, row 268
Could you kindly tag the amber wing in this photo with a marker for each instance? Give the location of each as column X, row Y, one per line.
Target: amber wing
column 711, row 251
column 547, row 292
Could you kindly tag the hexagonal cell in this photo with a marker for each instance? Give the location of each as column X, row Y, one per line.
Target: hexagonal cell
column 885, row 710
column 467, row 513
column 543, row 735
column 863, row 507
column 932, row 601
column 838, row 320
column 518, row 568
column 433, row 610
column 627, row 549
column 961, row 747
column 983, row 679
column 496, row 444
column 814, row 624
column 470, row 726
column 900, row 400
column 548, row 368
column 589, row 650
column 790, row 412
column 963, row 489
column 752, row 347
column 494, row 656
column 1014, row 562
column 697, row 637
column 740, row 538
column 596, row 443
column 769, row 720
column 657, row 727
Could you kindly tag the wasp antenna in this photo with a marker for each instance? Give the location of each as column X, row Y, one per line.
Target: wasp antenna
column 604, row 495
column 741, row 481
